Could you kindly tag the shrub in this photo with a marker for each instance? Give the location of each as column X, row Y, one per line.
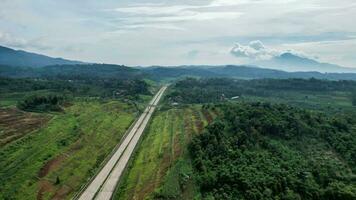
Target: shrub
column 41, row 103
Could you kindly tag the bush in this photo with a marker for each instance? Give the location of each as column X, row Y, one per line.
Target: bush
column 41, row 103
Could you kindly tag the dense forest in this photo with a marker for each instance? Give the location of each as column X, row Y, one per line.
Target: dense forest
column 193, row 90
column 264, row 151
column 237, row 72
column 77, row 72
column 82, row 87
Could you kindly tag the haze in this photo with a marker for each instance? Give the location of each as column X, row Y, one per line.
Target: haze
column 158, row 32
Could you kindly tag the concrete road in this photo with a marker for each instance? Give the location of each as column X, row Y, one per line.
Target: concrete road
column 104, row 184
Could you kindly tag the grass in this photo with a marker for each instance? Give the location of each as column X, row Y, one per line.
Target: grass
column 54, row 161
column 162, row 163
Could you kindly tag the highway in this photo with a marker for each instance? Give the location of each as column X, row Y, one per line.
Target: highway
column 103, row 185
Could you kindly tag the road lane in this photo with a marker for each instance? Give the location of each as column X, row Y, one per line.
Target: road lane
column 109, row 186
column 129, row 142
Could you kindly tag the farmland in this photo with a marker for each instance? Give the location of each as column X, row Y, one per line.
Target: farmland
column 162, row 157
column 55, row 160
column 15, row 124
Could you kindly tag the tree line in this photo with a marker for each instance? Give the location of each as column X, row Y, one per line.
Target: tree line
column 191, row 90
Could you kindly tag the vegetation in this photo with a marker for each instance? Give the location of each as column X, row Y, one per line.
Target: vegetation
column 316, row 94
column 161, row 168
column 44, row 155
column 53, row 161
column 78, row 88
column 15, row 124
column 237, row 72
column 72, row 72
column 263, row 151
column 353, row 98
column 41, row 103
column 210, row 139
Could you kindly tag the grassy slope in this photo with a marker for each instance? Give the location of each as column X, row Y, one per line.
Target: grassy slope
column 162, row 155
column 71, row 147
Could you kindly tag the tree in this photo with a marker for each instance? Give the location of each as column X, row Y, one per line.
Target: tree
column 353, row 98
column 58, row 181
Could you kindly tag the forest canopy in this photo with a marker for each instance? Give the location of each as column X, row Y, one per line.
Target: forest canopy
column 264, row 151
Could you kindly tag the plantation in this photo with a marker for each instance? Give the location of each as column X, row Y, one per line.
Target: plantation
column 56, row 160
column 161, row 167
column 14, row 124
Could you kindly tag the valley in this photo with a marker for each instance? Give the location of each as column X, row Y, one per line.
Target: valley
column 177, row 100
column 115, row 132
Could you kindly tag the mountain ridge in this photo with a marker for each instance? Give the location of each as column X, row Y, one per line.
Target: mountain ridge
column 21, row 58
column 293, row 63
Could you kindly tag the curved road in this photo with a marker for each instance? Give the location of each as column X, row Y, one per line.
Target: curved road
column 103, row 185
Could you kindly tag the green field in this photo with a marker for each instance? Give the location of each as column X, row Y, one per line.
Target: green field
column 56, row 160
column 162, row 161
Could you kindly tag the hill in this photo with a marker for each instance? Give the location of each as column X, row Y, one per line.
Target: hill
column 82, row 71
column 238, row 71
column 26, row 59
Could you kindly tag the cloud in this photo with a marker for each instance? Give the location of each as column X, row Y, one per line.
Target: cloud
column 122, row 31
column 143, row 14
column 10, row 40
column 254, row 50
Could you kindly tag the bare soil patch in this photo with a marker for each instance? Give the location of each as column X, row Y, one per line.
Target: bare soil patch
column 50, row 165
column 45, row 186
column 208, row 116
column 15, row 124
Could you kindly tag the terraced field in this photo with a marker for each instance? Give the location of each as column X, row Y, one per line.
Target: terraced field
column 15, row 124
column 162, row 159
column 55, row 160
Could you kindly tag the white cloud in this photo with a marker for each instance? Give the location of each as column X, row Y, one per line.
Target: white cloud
column 122, row 31
column 8, row 40
column 254, row 50
column 165, row 13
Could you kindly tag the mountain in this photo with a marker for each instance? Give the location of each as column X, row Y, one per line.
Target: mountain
column 160, row 73
column 77, row 72
column 292, row 62
column 21, row 58
column 21, row 64
column 236, row 71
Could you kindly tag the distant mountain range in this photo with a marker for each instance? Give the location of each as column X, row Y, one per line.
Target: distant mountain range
column 292, row 62
column 17, row 63
column 237, row 71
column 21, row 58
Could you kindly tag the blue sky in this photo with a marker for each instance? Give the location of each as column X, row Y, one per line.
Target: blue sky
column 177, row 32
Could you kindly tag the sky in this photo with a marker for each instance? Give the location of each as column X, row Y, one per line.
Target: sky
column 181, row 32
